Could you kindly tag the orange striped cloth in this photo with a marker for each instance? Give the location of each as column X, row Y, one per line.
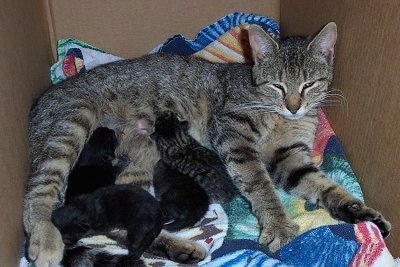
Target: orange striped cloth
column 232, row 46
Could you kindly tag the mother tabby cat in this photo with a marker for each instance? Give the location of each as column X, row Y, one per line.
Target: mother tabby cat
column 261, row 120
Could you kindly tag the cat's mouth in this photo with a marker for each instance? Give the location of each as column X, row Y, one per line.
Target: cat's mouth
column 300, row 113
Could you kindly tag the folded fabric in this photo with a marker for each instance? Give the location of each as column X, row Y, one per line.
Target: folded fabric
column 179, row 45
column 74, row 57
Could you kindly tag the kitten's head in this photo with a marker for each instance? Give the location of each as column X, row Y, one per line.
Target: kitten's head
column 71, row 223
column 100, row 148
column 292, row 76
column 170, row 131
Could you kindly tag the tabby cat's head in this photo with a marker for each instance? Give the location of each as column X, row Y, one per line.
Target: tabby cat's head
column 292, row 76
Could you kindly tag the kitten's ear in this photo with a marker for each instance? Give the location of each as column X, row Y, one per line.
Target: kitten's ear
column 261, row 43
column 184, row 125
column 153, row 137
column 324, row 42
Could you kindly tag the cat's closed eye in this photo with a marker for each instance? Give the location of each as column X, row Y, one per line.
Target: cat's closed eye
column 279, row 86
column 308, row 85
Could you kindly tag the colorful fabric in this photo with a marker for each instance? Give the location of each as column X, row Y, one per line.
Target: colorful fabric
column 74, row 57
column 234, row 231
column 334, row 245
column 179, row 45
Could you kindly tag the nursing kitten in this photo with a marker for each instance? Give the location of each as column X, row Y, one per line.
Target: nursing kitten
column 183, row 153
column 260, row 118
column 183, row 202
column 95, row 168
column 118, row 206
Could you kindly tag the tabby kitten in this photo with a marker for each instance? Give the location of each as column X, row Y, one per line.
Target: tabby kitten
column 182, row 152
column 260, row 118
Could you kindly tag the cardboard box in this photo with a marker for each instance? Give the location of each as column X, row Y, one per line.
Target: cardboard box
column 367, row 71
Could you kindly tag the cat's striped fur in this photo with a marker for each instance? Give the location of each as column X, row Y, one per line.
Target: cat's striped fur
column 256, row 117
column 183, row 153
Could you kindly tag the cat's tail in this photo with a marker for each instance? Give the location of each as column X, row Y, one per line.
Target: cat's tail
column 83, row 256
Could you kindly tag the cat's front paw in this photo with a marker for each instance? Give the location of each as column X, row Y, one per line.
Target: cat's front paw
column 276, row 234
column 45, row 245
column 354, row 211
column 187, row 252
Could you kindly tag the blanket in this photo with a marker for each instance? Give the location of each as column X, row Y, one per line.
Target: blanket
column 230, row 232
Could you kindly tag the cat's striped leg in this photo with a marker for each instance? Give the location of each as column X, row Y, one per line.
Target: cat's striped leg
column 277, row 228
column 294, row 170
column 51, row 164
column 239, row 152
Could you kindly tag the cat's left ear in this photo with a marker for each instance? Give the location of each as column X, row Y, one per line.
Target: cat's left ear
column 324, row 42
column 261, row 43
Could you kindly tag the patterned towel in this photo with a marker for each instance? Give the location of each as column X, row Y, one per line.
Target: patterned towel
column 325, row 241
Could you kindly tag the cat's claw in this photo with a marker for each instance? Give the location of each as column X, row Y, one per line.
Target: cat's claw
column 276, row 234
column 45, row 245
column 355, row 211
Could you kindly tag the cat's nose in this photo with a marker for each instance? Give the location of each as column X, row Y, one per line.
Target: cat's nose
column 293, row 103
column 293, row 110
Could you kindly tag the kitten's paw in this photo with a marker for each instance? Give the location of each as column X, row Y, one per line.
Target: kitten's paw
column 123, row 161
column 177, row 249
column 276, row 234
column 355, row 211
column 45, row 245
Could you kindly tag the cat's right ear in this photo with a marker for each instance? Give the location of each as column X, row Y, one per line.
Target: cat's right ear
column 261, row 43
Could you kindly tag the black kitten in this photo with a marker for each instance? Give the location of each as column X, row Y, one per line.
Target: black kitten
column 119, row 206
column 94, row 205
column 183, row 202
column 95, row 168
column 183, row 153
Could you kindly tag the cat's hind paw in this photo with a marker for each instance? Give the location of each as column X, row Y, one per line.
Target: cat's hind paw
column 45, row 245
column 278, row 233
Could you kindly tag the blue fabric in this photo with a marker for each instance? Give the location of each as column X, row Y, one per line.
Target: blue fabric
column 333, row 245
column 179, row 45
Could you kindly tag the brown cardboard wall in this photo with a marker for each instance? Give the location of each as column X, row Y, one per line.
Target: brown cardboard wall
column 24, row 65
column 133, row 28
column 368, row 73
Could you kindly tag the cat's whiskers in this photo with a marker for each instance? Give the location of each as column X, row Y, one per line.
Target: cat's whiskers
column 253, row 105
column 332, row 98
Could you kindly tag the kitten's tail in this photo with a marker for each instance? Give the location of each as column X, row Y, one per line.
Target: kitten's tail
column 83, row 256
